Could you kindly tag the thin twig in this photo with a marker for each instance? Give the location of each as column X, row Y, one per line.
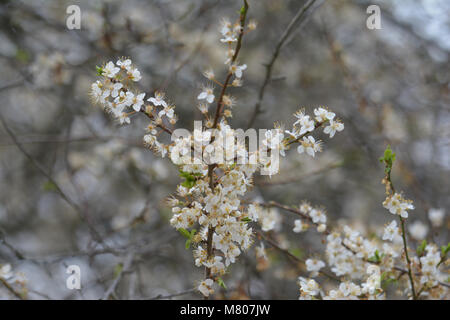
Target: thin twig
column 297, row 179
column 233, row 59
column 11, row 289
column 405, row 244
column 126, row 267
column 300, row 14
column 182, row 293
column 51, row 180
column 293, row 257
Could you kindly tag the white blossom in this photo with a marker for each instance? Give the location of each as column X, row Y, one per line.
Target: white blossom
column 138, row 101
column 207, row 94
column 237, row 70
column 299, row 226
column 158, row 100
column 124, row 64
column 323, row 114
column 436, row 216
column 110, row 70
column 390, row 231
column 310, row 145
column 396, row 204
column 333, row 127
column 418, row 230
column 205, row 287
column 314, row 265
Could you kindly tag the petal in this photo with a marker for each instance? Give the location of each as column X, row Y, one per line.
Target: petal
column 202, row 95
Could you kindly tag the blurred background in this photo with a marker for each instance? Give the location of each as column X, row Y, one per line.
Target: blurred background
column 77, row 188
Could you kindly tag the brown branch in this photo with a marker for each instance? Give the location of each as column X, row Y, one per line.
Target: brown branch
column 182, row 293
column 293, row 258
column 233, row 59
column 11, row 289
column 405, row 245
column 209, row 244
column 300, row 14
column 151, row 117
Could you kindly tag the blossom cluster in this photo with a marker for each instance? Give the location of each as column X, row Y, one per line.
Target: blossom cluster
column 348, row 290
column 209, row 209
column 207, row 206
column 115, row 93
column 363, row 266
column 305, row 124
column 396, row 204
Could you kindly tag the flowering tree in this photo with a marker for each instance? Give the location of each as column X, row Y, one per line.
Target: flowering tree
column 217, row 208
column 208, row 209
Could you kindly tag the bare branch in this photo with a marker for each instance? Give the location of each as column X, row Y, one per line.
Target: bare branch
column 301, row 15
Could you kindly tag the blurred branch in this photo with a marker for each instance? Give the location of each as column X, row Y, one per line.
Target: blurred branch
column 293, row 258
column 16, row 252
column 280, row 181
column 50, row 179
column 233, row 59
column 12, row 85
column 11, row 289
column 407, row 28
column 302, row 13
column 43, row 139
column 182, row 293
column 126, row 267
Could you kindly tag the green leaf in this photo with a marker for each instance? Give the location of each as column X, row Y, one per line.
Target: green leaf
column 421, row 249
column 188, row 235
column 445, row 249
column 187, row 245
column 376, row 258
column 189, row 181
column 386, row 280
column 388, row 158
column 297, row 252
column 391, row 280
column 221, row 283
column 185, row 233
column 99, row 70
column 184, row 174
column 246, row 219
column 22, row 56
column 117, row 270
column 49, row 186
column 188, row 184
